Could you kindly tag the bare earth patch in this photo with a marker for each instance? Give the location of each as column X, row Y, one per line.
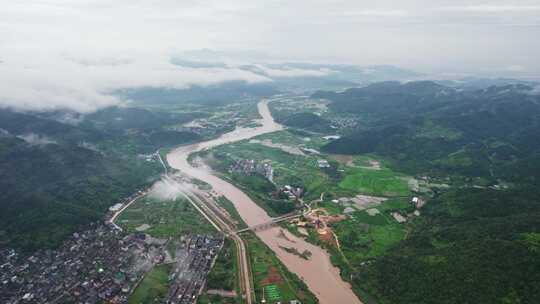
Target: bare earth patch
column 363, row 202
column 143, row 227
column 373, row 211
column 398, row 217
column 373, row 165
column 285, row 148
column 347, row 160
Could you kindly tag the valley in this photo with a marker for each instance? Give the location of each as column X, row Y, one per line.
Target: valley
column 359, row 217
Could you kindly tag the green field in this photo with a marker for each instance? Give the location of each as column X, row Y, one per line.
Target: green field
column 288, row 168
column 225, row 270
column 153, row 287
column 382, row 182
column 165, row 218
column 216, row 299
column 365, row 236
column 223, row 276
column 269, row 274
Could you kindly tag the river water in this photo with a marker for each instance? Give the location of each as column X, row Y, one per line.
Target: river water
column 321, row 277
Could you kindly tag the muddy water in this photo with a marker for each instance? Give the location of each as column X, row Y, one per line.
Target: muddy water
column 318, row 273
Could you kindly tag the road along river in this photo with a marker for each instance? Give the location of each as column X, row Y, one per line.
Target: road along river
column 321, row 277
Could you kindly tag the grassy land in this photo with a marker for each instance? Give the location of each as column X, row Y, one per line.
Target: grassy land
column 340, row 179
column 288, row 168
column 216, row 299
column 166, row 218
column 224, row 276
column 270, row 274
column 362, row 239
column 364, row 236
column 153, row 287
column 382, row 182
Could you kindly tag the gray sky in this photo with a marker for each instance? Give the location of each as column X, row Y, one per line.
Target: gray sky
column 72, row 51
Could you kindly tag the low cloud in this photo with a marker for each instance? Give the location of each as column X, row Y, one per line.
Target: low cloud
column 36, row 139
column 165, row 190
column 535, row 90
column 376, row 13
column 288, row 72
column 85, row 85
column 4, row 132
column 493, row 8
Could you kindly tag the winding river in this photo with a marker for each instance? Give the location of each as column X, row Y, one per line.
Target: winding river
column 321, row 277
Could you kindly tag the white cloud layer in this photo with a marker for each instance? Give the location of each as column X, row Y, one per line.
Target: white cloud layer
column 286, row 72
column 36, row 139
column 71, row 53
column 85, row 85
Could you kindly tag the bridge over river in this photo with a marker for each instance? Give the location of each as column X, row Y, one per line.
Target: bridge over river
column 270, row 224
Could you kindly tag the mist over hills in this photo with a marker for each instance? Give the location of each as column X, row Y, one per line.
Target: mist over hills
column 424, row 125
column 56, row 176
column 483, row 228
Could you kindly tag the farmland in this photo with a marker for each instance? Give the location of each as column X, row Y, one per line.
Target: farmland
column 169, row 218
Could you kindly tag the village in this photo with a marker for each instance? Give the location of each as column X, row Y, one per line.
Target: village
column 194, row 259
column 105, row 264
column 98, row 264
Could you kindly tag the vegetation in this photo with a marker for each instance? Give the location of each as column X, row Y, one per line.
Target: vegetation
column 48, row 191
column 164, row 218
column 153, row 288
column 476, row 240
column 225, row 271
column 229, row 207
column 473, row 245
column 268, row 272
column 307, row 121
column 383, row 182
column 427, row 128
column 209, row 95
column 55, row 176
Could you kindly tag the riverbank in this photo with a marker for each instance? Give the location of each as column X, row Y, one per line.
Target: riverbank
column 321, row 277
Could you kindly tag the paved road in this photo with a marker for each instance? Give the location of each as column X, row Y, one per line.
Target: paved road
column 212, row 213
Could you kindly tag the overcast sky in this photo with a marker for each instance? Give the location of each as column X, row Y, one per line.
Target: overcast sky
column 72, row 51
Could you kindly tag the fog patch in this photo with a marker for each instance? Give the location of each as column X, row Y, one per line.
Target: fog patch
column 289, row 72
column 57, row 83
column 166, row 189
column 89, row 146
column 34, row 139
column 4, row 133
column 535, row 90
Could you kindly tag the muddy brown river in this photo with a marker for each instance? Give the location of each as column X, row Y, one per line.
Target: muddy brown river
column 321, row 277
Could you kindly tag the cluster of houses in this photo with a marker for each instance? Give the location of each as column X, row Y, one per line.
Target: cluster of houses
column 323, row 163
column 97, row 265
column 250, row 166
column 289, row 192
column 194, row 261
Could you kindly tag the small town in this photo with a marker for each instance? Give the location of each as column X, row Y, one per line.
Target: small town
column 195, row 257
column 99, row 264
column 102, row 264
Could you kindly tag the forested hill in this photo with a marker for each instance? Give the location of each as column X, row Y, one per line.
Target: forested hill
column 56, row 176
column 423, row 126
column 478, row 238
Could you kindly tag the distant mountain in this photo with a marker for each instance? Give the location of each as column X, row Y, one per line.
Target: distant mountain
column 291, row 75
column 476, row 240
column 214, row 94
column 427, row 126
column 474, row 83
